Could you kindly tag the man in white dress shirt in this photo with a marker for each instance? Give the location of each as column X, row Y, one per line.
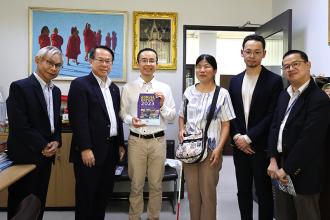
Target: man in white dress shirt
column 146, row 143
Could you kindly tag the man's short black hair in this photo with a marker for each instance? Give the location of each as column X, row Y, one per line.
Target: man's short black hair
column 92, row 52
column 255, row 37
column 146, row 49
column 302, row 54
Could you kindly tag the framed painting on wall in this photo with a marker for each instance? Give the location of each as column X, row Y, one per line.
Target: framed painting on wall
column 156, row 30
column 76, row 32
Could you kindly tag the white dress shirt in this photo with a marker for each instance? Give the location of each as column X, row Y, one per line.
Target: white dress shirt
column 104, row 86
column 293, row 99
column 47, row 89
column 129, row 102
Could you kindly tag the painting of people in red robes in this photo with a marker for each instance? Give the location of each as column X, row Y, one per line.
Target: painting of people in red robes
column 98, row 37
column 57, row 40
column 114, row 41
column 108, row 40
column 89, row 39
column 73, row 46
column 44, row 39
column 76, row 33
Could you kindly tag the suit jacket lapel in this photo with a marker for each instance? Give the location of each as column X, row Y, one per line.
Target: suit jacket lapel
column 56, row 106
column 258, row 88
column 38, row 90
column 283, row 103
column 114, row 97
column 240, row 98
column 300, row 102
column 99, row 95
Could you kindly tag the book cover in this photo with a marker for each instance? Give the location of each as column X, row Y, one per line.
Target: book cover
column 149, row 109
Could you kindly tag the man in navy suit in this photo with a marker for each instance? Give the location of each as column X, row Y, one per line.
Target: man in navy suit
column 98, row 140
column 253, row 93
column 33, row 107
column 298, row 140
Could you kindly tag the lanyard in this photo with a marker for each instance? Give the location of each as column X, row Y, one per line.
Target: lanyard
column 288, row 110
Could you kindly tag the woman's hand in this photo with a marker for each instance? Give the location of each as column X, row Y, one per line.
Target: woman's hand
column 182, row 133
column 215, row 157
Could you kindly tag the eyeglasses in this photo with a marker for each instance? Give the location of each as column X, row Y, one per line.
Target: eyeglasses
column 146, row 61
column 249, row 53
column 107, row 62
column 52, row 64
column 294, row 65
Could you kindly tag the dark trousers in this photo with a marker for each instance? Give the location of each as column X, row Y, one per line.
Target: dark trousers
column 35, row 182
column 300, row 207
column 93, row 188
column 251, row 168
column 325, row 195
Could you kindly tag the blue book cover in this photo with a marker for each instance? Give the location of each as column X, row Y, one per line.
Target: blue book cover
column 149, row 109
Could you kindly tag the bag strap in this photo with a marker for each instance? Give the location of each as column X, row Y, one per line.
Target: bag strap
column 209, row 119
column 185, row 111
column 212, row 109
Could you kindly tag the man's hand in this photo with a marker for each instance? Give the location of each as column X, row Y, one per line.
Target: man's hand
column 136, row 122
column 88, row 158
column 272, row 168
column 242, row 145
column 50, row 149
column 282, row 176
column 122, row 152
column 161, row 96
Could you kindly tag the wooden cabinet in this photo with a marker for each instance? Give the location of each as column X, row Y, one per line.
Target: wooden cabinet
column 61, row 183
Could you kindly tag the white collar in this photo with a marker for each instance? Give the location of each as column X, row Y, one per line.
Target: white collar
column 300, row 89
column 43, row 83
column 101, row 83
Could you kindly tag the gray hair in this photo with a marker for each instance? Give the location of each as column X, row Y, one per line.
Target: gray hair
column 50, row 51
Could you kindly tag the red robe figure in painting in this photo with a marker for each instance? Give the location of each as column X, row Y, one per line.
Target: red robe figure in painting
column 89, row 39
column 114, row 41
column 57, row 40
column 44, row 39
column 108, row 40
column 73, row 46
column 98, row 38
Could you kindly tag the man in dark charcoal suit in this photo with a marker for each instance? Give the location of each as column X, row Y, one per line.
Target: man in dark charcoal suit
column 298, row 140
column 98, row 140
column 253, row 93
column 33, row 108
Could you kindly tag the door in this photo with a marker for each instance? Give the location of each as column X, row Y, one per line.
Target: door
column 278, row 29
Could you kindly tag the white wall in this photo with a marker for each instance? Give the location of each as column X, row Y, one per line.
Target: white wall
column 310, row 30
column 14, row 31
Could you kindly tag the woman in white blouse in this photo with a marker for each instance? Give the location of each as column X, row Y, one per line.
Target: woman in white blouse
column 202, row 178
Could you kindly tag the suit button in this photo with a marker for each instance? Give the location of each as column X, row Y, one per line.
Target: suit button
column 108, row 138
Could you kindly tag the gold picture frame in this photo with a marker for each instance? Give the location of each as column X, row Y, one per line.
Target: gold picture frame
column 157, row 30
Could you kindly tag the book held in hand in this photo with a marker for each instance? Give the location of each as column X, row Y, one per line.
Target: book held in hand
column 149, row 109
column 287, row 188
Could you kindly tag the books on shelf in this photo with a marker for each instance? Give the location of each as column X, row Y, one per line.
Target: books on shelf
column 149, row 109
column 4, row 161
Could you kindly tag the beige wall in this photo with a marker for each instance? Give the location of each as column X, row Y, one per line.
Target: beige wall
column 14, row 30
